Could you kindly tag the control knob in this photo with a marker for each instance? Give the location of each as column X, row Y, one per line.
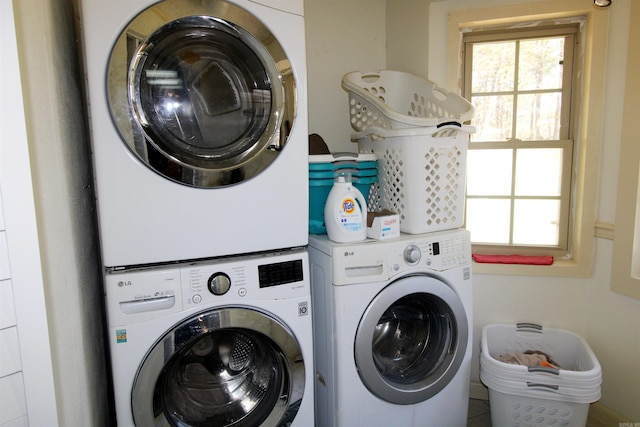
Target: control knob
column 412, row 254
column 219, row 283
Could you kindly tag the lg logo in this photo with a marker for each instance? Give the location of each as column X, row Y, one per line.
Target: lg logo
column 123, row 283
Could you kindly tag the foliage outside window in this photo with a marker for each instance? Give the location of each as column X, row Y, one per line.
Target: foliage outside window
column 520, row 161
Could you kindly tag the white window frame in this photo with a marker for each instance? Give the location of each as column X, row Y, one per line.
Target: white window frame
column 571, row 32
column 590, row 122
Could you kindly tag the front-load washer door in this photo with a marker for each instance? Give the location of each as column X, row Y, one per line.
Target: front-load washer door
column 201, row 92
column 232, row 366
column 411, row 340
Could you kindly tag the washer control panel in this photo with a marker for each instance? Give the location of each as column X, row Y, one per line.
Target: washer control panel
column 219, row 283
column 377, row 260
column 441, row 252
column 255, row 278
column 145, row 293
column 412, row 255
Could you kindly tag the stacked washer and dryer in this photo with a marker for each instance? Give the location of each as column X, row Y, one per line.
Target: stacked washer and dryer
column 393, row 318
column 199, row 132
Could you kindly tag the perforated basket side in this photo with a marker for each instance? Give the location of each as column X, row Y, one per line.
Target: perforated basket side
column 422, row 178
column 512, row 410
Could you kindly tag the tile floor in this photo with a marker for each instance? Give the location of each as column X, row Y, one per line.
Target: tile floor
column 480, row 415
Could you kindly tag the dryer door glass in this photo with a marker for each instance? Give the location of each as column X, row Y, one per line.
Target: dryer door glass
column 199, row 95
column 208, row 372
column 411, row 340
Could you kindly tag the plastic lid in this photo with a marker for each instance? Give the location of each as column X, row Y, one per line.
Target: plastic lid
column 336, row 157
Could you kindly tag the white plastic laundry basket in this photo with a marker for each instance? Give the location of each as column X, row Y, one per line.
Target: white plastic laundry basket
column 538, row 396
column 580, row 367
column 394, row 100
column 422, row 174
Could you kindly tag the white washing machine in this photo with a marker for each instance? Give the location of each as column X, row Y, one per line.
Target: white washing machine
column 392, row 330
column 198, row 116
column 221, row 343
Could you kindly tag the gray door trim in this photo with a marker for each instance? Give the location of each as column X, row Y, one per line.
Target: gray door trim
column 290, row 353
column 240, row 157
column 451, row 357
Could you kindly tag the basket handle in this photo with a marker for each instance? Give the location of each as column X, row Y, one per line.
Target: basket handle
column 529, row 327
column 445, row 124
column 345, row 156
column 544, row 370
column 548, row 387
column 370, row 77
column 379, row 134
column 441, row 92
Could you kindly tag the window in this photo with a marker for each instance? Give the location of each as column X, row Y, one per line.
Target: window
column 465, row 18
column 521, row 83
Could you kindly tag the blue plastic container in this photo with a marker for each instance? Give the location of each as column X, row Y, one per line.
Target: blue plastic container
column 330, row 174
column 322, row 171
column 332, row 162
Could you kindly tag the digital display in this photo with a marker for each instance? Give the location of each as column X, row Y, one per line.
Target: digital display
column 436, row 248
column 280, row 273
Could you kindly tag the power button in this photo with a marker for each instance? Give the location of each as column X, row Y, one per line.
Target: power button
column 412, row 255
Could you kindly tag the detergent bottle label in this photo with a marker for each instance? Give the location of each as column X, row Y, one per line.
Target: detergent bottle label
column 349, row 215
column 345, row 212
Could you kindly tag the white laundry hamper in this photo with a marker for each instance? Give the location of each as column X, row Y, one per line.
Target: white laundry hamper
column 422, row 174
column 391, row 99
column 522, row 396
column 417, row 130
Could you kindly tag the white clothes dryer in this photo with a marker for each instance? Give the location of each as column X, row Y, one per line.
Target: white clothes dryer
column 392, row 330
column 224, row 343
column 198, row 117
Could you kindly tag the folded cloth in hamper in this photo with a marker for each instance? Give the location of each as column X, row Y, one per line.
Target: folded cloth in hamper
column 528, row 358
column 513, row 259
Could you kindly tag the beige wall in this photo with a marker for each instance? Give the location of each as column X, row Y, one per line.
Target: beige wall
column 63, row 196
column 407, row 24
column 341, row 36
column 587, row 306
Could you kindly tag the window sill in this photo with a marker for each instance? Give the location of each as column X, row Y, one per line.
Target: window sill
column 559, row 268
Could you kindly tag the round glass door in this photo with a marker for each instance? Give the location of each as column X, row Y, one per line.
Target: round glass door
column 201, row 92
column 230, row 367
column 411, row 340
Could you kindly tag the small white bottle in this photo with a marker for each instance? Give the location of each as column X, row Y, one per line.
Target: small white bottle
column 345, row 212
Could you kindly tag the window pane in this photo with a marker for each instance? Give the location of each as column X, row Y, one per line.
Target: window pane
column 493, row 117
column 540, row 64
column 536, row 222
column 539, row 116
column 489, row 172
column 488, row 220
column 493, row 67
column 538, row 172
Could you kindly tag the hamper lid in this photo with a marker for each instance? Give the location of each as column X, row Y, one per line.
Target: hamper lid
column 342, row 156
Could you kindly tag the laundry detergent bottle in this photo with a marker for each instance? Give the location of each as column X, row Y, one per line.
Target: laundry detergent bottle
column 345, row 212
